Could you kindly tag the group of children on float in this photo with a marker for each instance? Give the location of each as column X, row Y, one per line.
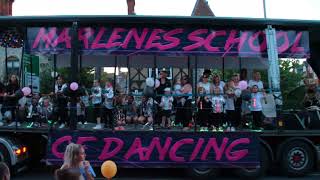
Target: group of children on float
column 224, row 106
column 219, row 105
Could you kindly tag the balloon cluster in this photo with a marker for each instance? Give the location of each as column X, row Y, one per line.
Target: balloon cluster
column 11, row 39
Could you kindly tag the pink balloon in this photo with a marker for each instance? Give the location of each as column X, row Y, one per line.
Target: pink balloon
column 243, row 85
column 26, row 91
column 74, row 86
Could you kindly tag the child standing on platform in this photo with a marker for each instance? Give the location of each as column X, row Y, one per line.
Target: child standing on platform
column 166, row 105
column 218, row 103
column 256, row 106
column 204, row 109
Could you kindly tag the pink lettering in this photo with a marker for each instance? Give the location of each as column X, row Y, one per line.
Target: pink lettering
column 260, row 47
column 232, row 40
column 212, row 143
column 138, row 39
column 285, row 45
column 295, row 48
column 153, row 37
column 105, row 154
column 84, row 34
column 155, row 143
column 194, row 37
column 96, row 44
column 173, row 151
column 63, row 37
column 236, row 155
column 136, row 148
column 209, row 39
column 82, row 140
column 115, row 36
column 47, row 38
column 57, row 143
column 196, row 149
column 169, row 37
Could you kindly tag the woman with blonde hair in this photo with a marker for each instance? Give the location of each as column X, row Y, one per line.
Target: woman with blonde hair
column 74, row 157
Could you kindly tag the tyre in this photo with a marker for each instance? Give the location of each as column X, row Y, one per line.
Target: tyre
column 4, row 155
column 202, row 173
column 255, row 173
column 297, row 158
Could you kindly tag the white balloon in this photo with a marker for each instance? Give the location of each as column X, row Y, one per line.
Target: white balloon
column 157, row 82
column 150, row 82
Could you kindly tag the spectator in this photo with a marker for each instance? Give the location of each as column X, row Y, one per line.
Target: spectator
column 74, row 157
column 4, row 171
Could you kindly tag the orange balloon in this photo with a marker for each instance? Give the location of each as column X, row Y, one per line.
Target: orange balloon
column 109, row 169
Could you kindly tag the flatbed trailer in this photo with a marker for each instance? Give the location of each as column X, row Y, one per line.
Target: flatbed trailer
column 290, row 145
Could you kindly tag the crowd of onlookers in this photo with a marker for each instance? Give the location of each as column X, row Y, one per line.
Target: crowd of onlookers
column 213, row 104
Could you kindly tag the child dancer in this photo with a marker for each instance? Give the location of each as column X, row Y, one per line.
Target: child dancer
column 229, row 89
column 131, row 110
column 96, row 98
column 108, row 105
column 166, row 105
column 45, row 110
column 80, row 112
column 146, row 112
column 218, row 103
column 256, row 106
column 204, row 109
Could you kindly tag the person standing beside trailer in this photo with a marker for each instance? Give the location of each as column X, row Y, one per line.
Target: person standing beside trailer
column 96, row 98
column 164, row 83
column 204, row 106
column 74, row 157
column 61, row 101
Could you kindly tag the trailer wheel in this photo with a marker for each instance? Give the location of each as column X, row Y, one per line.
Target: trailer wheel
column 4, row 155
column 202, row 173
column 297, row 158
column 254, row 173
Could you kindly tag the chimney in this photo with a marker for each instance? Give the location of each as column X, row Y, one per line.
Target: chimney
column 131, row 4
column 6, row 7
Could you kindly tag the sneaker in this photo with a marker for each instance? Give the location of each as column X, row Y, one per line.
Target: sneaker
column 201, row 129
column 214, row 129
column 62, row 126
column 1, row 124
column 151, row 128
column 98, row 126
column 121, row 128
column 83, row 126
column 86, row 122
column 232, row 129
column 30, row 125
column 147, row 124
column 79, row 122
column 228, row 129
column 220, row 129
column 206, row 129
